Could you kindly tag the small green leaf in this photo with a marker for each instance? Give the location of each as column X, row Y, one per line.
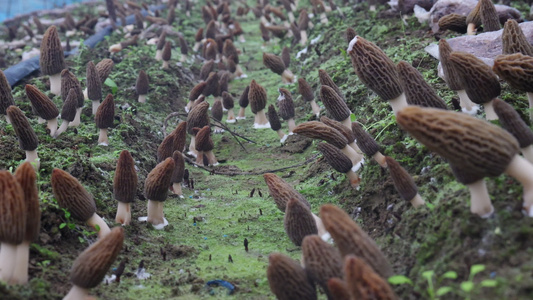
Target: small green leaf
column 97, row 227
column 428, row 274
column 443, row 290
column 467, row 286
column 450, row 275
column 343, row 53
column 110, row 83
column 476, row 269
column 400, row 279
column 352, row 117
column 62, row 225
column 489, row 283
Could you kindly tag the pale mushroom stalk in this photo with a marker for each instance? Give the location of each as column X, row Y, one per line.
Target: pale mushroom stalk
column 480, row 203
column 397, row 104
column 123, row 213
column 142, row 98
column 95, row 104
column 77, row 118
column 466, row 104
column 489, row 111
column 231, row 116
column 315, row 108
column 417, row 201
column 62, row 128
column 261, row 120
column 522, row 170
column 528, row 153
column 320, row 226
column 33, row 158
column 291, row 124
column 380, row 159
column 164, row 67
column 55, row 84
column 238, row 71
column 158, row 54
column 52, row 125
column 287, row 76
column 354, row 146
column 471, row 29
column 102, row 137
column 176, row 189
column 354, row 179
column 352, row 154
column 96, row 221
column 241, row 115
column 7, row 263
column 211, row 158
column 303, row 37
column 77, row 293
column 192, row 147
column 155, row 212
column 20, row 273
column 200, row 158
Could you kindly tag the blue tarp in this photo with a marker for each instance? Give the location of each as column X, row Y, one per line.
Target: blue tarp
column 12, row 8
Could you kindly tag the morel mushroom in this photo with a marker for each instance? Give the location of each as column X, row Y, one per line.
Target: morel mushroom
column 512, row 122
column 160, row 44
column 176, row 140
column 288, row 280
column 417, row 90
column 177, row 175
column 125, row 186
column 198, row 37
column 243, row 103
column 286, row 108
column 276, row 65
column 104, row 119
column 199, row 118
column 141, row 86
column 350, row 137
column 44, row 107
column 68, row 112
column 404, row 183
column 340, row 162
column 365, row 283
column 453, row 22
column 155, row 190
column 166, row 55
column 303, row 24
column 123, row 45
column 282, row 192
column 514, row 40
column 94, row 86
column 194, row 94
column 27, row 138
column 298, row 221
column 184, row 49
column 336, row 107
column 321, row 261
column 205, row 146
column 70, row 81
column 89, row 269
column 258, row 98
column 275, row 124
column 325, row 79
column 71, row 195
column 377, row 71
column 473, row 19
column 6, row 97
column 217, row 113
column 307, row 94
column 52, row 59
column 228, row 103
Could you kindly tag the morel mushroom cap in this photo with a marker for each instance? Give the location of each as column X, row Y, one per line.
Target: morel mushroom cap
column 516, row 69
column 12, row 210
column 44, row 107
column 453, row 22
column 285, row 103
column 94, row 84
column 480, row 83
column 211, row 30
column 199, row 36
column 365, row 283
column 403, row 182
column 277, row 31
column 338, row 289
column 321, row 260
column 512, row 122
column 167, row 51
column 125, row 180
column 274, row 63
column 26, row 135
column 474, row 17
column 68, row 111
column 70, row 194
column 70, row 81
column 257, row 96
column 451, row 75
column 351, row 239
column 211, row 85
column 198, row 117
column 305, row 90
column 298, row 221
column 227, row 100
column 350, row 136
column 52, row 59
column 176, row 140
column 324, row 78
column 375, row 69
column 514, row 40
column 489, row 16
column 92, row 264
column 197, row 90
column 162, row 40
column 26, row 177
column 335, row 158
column 243, row 100
column 230, row 50
column 204, row 142
column 106, row 113
column 286, row 57
column 6, row 98
column 287, row 279
column 184, row 48
column 463, row 140
column 273, row 118
column 179, row 167
column 417, row 90
column 318, row 130
column 365, row 141
column 303, row 20
column 210, row 49
column 141, row 86
column 217, row 111
column 158, row 181
column 282, row 192
column 334, row 104
column 104, row 68
column 206, row 69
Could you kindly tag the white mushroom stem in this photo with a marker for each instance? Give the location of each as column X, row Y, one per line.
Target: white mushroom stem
column 55, row 83
column 261, row 120
column 218, row 129
column 158, row 55
column 281, row 135
column 97, row 221
column 85, row 94
column 176, row 189
column 315, row 108
column 527, row 152
column 115, row 48
column 489, row 111
column 77, row 119
column 192, row 146
column 287, row 76
column 33, row 158
column 238, row 71
column 291, row 124
column 183, row 58
column 354, row 178
column 398, row 103
column 8, row 120
column 200, row 158
column 466, row 104
column 303, row 37
column 530, row 98
column 231, row 116
column 8, row 252
column 380, row 159
column 196, row 46
column 95, row 103
column 190, row 104
column 522, row 170
column 347, row 122
column 319, row 225
column 62, row 128
column 354, row 146
column 20, row 274
column 52, row 125
column 480, row 203
column 471, row 29
column 77, row 293
column 352, row 155
column 123, row 213
column 324, row 18
column 165, row 65
column 102, row 137
column 211, row 158
column 417, row 201
column 40, row 120
column 241, row 115
column 291, row 16
column 142, row 98
column 241, row 38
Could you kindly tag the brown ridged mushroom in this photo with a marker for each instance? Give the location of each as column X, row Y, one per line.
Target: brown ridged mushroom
column 404, row 183
column 453, row 22
column 514, row 40
column 335, row 105
column 184, row 49
column 205, row 145
column 211, row 85
column 176, row 140
column 365, row 283
column 286, row 57
column 243, row 103
column 340, row 162
column 377, row 71
column 44, row 107
column 194, row 94
column 206, row 69
column 12, row 223
column 71, row 195
column 155, row 190
column 281, row 191
column 217, row 112
column 298, row 221
column 489, row 16
column 198, row 37
column 517, row 70
column 325, row 79
column 321, row 261
column 89, row 269
column 303, row 24
column 480, row 83
column 286, row 108
column 417, row 90
column 26, row 177
column 141, row 86
column 68, row 112
column 228, row 103
column 177, row 175
column 26, row 135
column 211, row 30
column 351, row 239
column 474, row 145
column 258, row 98
column 288, row 280
column 512, row 122
column 6, row 97
column 307, row 94
column 94, row 86
column 125, row 186
column 104, row 68
column 367, row 144
column 350, row 137
column 338, row 289
column 230, row 53
column 52, row 59
column 276, row 65
column 275, row 124
column 197, row 117
column 104, row 119
column 297, row 37
column 210, row 50
column 166, row 55
column 277, row 31
column 473, row 19
column 160, row 44
column 70, row 81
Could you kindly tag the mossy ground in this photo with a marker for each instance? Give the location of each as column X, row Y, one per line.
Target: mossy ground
column 215, row 217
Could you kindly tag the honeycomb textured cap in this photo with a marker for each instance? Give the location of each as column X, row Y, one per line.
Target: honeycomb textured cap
column 417, row 90
column 514, row 40
column 335, row 158
column 230, row 50
column 94, row 84
column 70, row 81
column 43, row 106
column 286, row 57
column 287, row 279
column 303, row 20
column 318, row 130
column 273, row 118
column 89, row 269
column 125, row 181
column 206, row 69
column 451, row 75
column 336, row 107
column 184, row 48
column 197, row 90
column 217, row 111
column 365, row 141
column 375, row 69
column 298, row 221
column 158, row 181
column 274, row 63
column 512, row 122
column 167, row 51
column 162, row 40
column 6, row 98
column 305, row 90
column 70, row 194
column 198, row 117
column 243, row 100
column 326, row 80
column 463, row 140
column 365, row 283
column 474, row 17
column 68, row 111
column 227, row 100
column 285, row 103
column 516, row 69
column 12, row 210
column 26, row 135
column 211, row 85
column 179, row 167
column 322, row 261
column 453, row 22
column 104, row 68
column 204, row 142
column 105, row 114
column 348, row 134
column 141, row 86
column 282, row 192
column 52, row 59
column 489, row 16
column 26, row 177
column 351, row 239
column 403, row 182
column 257, row 96
column 480, row 83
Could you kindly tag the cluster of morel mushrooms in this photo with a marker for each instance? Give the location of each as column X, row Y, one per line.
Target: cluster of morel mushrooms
column 355, row 268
